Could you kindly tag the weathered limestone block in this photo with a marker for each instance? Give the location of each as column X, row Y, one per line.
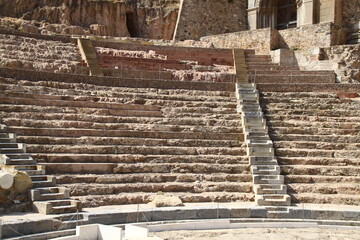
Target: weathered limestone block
column 30, row 28
column 166, row 201
column 73, row 30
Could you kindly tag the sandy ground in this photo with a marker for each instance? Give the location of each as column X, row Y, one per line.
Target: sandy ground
column 262, row 233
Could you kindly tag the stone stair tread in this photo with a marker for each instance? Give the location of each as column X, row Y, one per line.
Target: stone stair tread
column 95, row 200
column 99, row 132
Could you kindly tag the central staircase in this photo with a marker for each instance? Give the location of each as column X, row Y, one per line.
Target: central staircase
column 269, row 185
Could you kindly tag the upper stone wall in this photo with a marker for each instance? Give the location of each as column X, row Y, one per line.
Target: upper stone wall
column 142, row 18
column 198, row 18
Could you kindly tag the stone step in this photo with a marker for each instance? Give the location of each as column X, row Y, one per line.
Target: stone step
column 321, row 161
column 29, row 169
column 137, row 95
column 56, row 206
column 15, row 98
column 316, row 138
column 311, row 103
column 82, row 89
column 110, row 189
column 256, row 143
column 260, row 151
column 299, row 95
column 138, row 158
column 38, row 182
column 153, row 178
column 146, row 150
column 277, row 212
column 268, row 179
column 11, row 150
column 317, row 145
column 320, row 170
column 314, row 131
column 273, row 200
column 109, row 168
column 325, row 188
column 6, row 140
column 313, row 112
column 269, row 67
column 129, row 141
column 114, row 119
column 96, row 111
column 284, row 78
column 265, row 170
column 271, row 189
column 265, row 189
column 311, row 179
column 11, row 145
column 294, row 123
column 19, row 156
column 289, row 72
column 60, row 132
column 121, row 102
column 319, row 119
column 53, row 193
column 263, row 161
column 141, row 197
column 339, row 199
column 302, row 152
column 23, row 161
column 167, row 113
column 117, row 126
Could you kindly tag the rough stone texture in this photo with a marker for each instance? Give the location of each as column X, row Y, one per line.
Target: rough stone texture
column 319, row 35
column 208, row 17
column 18, row 191
column 346, row 59
column 172, row 141
column 316, row 137
column 166, row 201
column 262, row 40
column 142, row 18
column 37, row 54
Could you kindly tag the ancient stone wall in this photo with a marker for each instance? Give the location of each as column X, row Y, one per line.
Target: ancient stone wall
column 142, row 18
column 198, row 18
column 261, row 40
column 319, row 35
column 346, row 58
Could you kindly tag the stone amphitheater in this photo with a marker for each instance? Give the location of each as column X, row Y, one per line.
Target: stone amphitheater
column 241, row 111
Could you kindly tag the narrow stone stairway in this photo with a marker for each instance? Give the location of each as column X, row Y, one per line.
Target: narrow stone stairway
column 46, row 197
column 269, row 185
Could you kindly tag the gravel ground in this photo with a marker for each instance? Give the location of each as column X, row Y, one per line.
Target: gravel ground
column 262, row 233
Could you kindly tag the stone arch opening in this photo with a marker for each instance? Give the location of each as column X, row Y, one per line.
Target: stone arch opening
column 286, row 14
column 132, row 24
column 279, row 14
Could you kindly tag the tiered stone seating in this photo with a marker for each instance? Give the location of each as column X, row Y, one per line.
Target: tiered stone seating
column 47, row 199
column 168, row 63
column 317, row 140
column 262, row 70
column 113, row 145
column 38, row 54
